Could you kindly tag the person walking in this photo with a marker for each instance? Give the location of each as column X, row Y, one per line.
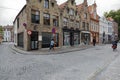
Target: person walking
column 52, row 44
column 94, row 41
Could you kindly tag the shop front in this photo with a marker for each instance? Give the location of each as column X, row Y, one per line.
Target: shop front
column 71, row 37
column 47, row 37
column 85, row 37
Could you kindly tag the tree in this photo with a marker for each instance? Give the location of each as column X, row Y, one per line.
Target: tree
column 116, row 16
column 1, row 30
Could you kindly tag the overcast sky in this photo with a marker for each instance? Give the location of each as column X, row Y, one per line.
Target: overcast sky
column 10, row 8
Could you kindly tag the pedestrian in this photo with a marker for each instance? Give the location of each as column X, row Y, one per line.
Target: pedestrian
column 52, row 44
column 94, row 41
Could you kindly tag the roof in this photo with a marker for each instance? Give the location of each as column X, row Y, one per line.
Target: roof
column 91, row 13
column 19, row 13
column 8, row 26
column 110, row 19
column 62, row 5
column 79, row 7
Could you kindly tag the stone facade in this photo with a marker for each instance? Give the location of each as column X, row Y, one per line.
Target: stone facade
column 70, row 23
column 85, row 22
column 39, row 17
column 42, row 20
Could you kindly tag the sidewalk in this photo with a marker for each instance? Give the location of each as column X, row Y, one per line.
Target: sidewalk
column 46, row 51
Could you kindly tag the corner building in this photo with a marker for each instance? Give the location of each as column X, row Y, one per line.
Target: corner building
column 36, row 24
column 39, row 21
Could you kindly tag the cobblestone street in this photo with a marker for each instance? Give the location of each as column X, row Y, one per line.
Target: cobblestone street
column 77, row 65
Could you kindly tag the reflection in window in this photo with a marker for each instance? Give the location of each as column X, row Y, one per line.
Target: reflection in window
column 55, row 21
column 65, row 22
column 46, row 18
column 35, row 16
column 46, row 3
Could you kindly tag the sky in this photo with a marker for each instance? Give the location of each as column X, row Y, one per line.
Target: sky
column 10, row 8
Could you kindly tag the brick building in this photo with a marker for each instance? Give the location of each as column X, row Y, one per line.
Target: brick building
column 35, row 24
column 94, row 22
column 70, row 23
column 84, row 22
column 39, row 21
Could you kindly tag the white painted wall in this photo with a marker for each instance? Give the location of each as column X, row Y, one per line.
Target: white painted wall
column 15, row 32
column 103, row 23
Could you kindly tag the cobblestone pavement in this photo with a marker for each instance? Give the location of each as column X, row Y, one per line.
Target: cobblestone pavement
column 111, row 72
column 77, row 65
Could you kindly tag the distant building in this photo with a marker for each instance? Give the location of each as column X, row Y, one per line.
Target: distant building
column 115, row 28
column 110, row 30
column 8, row 33
column 103, row 30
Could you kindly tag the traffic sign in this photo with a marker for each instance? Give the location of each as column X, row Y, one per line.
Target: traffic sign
column 29, row 32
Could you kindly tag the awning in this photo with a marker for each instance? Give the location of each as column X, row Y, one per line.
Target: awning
column 85, row 31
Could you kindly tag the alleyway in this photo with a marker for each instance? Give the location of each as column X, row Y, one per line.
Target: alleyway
column 77, row 65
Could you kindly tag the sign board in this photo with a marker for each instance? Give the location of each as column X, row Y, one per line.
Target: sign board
column 29, row 32
column 25, row 25
column 40, row 38
column 53, row 30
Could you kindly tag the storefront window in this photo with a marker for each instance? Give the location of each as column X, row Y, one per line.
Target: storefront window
column 66, row 38
column 47, row 37
column 76, row 38
column 20, row 39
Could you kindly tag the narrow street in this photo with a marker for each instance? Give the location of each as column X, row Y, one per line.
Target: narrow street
column 97, row 63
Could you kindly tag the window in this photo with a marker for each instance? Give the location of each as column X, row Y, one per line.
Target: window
column 65, row 22
column 77, row 24
column 46, row 18
column 71, row 12
column 46, row 3
column 20, row 39
column 83, row 25
column 46, row 38
column 55, row 21
column 52, row 4
column 39, row 0
column 17, row 22
column 85, row 15
column 35, row 16
column 72, row 2
column 87, row 26
column 76, row 13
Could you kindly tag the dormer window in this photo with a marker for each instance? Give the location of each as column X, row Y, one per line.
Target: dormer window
column 46, row 3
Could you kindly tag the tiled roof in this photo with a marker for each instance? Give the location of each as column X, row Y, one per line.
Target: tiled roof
column 80, row 6
column 8, row 27
column 91, row 13
column 62, row 5
column 110, row 19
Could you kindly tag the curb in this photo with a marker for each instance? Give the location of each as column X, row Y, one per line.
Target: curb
column 49, row 53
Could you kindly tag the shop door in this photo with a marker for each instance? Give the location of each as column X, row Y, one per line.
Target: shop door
column 71, row 38
column 34, row 40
